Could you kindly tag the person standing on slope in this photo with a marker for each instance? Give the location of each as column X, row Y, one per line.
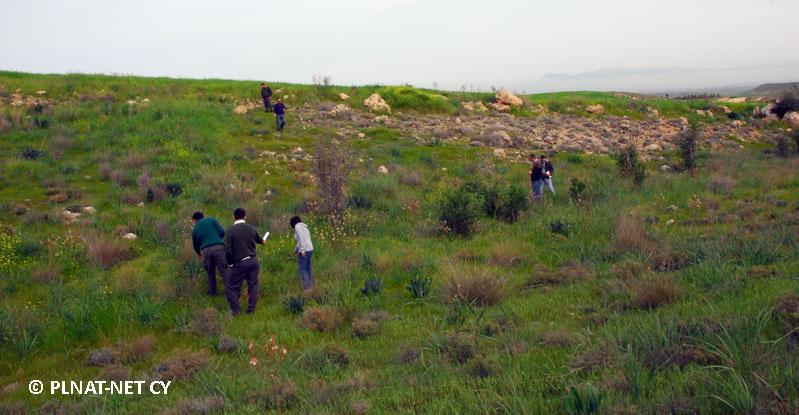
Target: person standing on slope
column 548, row 170
column 266, row 94
column 536, row 177
column 280, row 115
column 240, row 241
column 303, row 250
column 210, row 248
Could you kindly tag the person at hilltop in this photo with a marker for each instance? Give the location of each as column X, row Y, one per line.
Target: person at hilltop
column 280, row 115
column 548, row 170
column 240, row 241
column 206, row 236
column 303, row 250
column 536, row 177
column 266, row 95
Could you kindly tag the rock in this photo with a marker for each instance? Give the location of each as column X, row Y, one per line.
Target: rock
column 69, row 217
column 382, row 119
column 41, row 92
column 665, row 167
column 226, row 345
column 654, row 147
column 376, row 103
column 500, row 106
column 382, row 170
column 670, row 222
column 738, row 123
column 298, row 150
column 792, row 118
column 361, row 135
column 480, row 107
column 89, row 209
column 726, row 109
column 131, row 102
column 672, row 208
column 338, row 109
column 101, row 357
column 467, row 106
column 595, row 109
column 499, row 152
column 245, row 107
column 499, row 139
column 506, row 97
column 267, row 153
column 140, row 204
column 129, row 236
column 343, row 96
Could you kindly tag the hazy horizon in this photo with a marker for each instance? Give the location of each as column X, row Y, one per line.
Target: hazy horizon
column 443, row 43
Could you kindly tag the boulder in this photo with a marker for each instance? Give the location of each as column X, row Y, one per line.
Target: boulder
column 500, row 106
column 595, row 109
column 267, row 153
column 479, row 106
column 376, row 103
column 654, row 147
column 507, row 98
column 338, row 109
column 343, row 96
column 382, row 170
column 499, row 152
column 665, row 167
column 467, row 106
column 89, row 209
column 129, row 236
column 41, row 92
column 69, row 217
column 792, row 118
column 382, row 119
column 499, row 139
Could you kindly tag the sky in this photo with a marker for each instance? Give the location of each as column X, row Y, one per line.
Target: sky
column 444, row 43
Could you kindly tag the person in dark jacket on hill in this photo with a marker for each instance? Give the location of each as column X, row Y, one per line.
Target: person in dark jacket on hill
column 266, row 94
column 536, row 177
column 240, row 240
column 548, row 170
column 208, row 244
column 280, row 114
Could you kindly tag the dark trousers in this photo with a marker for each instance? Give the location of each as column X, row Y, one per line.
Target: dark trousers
column 213, row 260
column 267, row 105
column 306, row 275
column 246, row 270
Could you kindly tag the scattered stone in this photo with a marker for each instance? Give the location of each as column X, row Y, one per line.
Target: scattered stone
column 41, row 92
column 69, row 217
column 654, row 147
column 738, row 123
column 89, row 209
column 343, row 96
column 382, row 119
column 337, row 110
column 245, row 107
column 670, row 222
column 467, row 106
column 382, row 170
column 792, row 118
column 140, row 204
column 298, row 151
column 500, row 106
column 129, row 236
column 595, row 109
column 499, row 139
column 361, row 135
column 665, row 167
column 672, row 208
column 376, row 103
column 499, row 152
column 10, row 388
column 271, row 154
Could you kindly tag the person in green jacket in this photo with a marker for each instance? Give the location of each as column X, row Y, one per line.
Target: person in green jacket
column 207, row 238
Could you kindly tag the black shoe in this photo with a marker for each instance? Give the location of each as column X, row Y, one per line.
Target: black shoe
column 250, row 311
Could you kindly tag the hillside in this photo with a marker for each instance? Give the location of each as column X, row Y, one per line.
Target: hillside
column 774, row 90
column 678, row 295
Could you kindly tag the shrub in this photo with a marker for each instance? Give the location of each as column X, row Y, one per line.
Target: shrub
column 504, row 202
column 227, row 345
column 459, row 211
column 786, row 104
column 480, row 289
column 558, row 338
column 630, row 166
column 206, row 323
column 722, row 184
column 182, row 366
column 482, row 367
column 419, row 286
column 411, row 178
column 101, row 357
column 781, row 147
column 322, row 319
column 667, row 261
column 577, row 191
column 559, row 228
column 198, row 406
column 107, row 252
column 114, row 372
column 582, row 400
column 628, row 270
column 295, row 304
column 174, row 189
column 459, row 347
column 371, row 286
column 280, row 395
column 138, row 349
column 31, row 154
column 362, row 328
column 631, row 235
column 650, row 293
column 689, row 143
column 331, row 168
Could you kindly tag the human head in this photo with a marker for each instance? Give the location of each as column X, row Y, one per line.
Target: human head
column 279, row 100
column 263, row 84
column 239, row 214
column 531, row 157
column 294, row 221
column 543, row 157
column 196, row 216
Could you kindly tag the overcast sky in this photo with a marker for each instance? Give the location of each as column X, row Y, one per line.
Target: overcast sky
column 450, row 42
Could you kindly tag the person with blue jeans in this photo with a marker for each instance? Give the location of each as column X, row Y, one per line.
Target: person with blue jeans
column 304, row 251
column 536, row 177
column 280, row 114
column 548, row 170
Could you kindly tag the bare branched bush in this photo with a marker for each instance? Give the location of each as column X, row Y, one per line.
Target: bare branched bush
column 631, row 235
column 476, row 287
column 331, row 169
column 322, row 319
column 107, row 252
column 653, row 292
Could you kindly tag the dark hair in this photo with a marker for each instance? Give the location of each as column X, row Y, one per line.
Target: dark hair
column 543, row 156
column 294, row 221
column 197, row 215
column 239, row 213
column 531, row 156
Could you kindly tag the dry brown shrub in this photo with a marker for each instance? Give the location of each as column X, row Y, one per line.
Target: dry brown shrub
column 182, row 366
column 668, row 261
column 114, row 373
column 460, row 347
column 410, row 177
column 107, row 252
column 138, row 350
column 409, row 355
column 197, row 406
column 559, row 338
column 762, row 271
column 476, row 287
column 363, row 328
column 631, row 235
column 322, row 319
column 628, row 269
column 206, row 323
column 134, row 161
column 568, row 273
column 507, row 255
column 483, row 367
column 331, row 169
column 280, row 395
column 721, row 184
column 650, row 293
column 598, row 356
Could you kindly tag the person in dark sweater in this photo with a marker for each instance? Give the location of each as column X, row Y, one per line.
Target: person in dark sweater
column 240, row 240
column 548, row 170
column 536, row 177
column 280, row 114
column 210, row 248
column 266, row 94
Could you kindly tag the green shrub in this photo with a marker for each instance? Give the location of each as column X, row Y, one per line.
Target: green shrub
column 582, row 400
column 419, row 286
column 371, row 286
column 630, row 166
column 689, row 143
column 459, row 210
column 295, row 304
column 577, row 191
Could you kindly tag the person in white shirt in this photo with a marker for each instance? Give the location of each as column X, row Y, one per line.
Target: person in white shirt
column 303, row 250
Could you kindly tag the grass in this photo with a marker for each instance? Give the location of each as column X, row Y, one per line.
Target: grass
column 629, row 303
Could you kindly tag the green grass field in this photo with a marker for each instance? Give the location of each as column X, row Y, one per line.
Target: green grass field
column 676, row 296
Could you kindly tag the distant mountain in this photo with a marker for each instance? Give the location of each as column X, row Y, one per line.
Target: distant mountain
column 775, row 89
column 667, row 79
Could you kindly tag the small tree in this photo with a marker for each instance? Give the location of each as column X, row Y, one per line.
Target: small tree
column 332, row 166
column 689, row 143
column 786, row 104
column 782, row 147
column 459, row 210
column 630, row 166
